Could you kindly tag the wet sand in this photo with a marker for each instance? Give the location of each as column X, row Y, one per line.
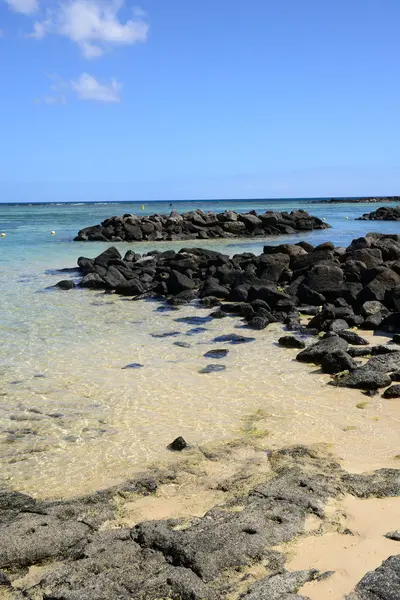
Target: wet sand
column 115, row 422
column 94, row 424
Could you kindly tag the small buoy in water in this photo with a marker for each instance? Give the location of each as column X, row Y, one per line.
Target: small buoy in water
column 347, row 218
column 3, row 235
column 323, row 218
column 142, row 206
column 53, row 232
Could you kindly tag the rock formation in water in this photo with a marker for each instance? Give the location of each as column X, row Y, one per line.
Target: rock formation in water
column 85, row 555
column 383, row 213
column 199, row 225
column 342, row 288
column 371, row 200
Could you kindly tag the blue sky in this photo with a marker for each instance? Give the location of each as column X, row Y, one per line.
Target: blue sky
column 181, row 99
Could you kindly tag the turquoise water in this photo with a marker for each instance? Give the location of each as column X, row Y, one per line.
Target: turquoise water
column 28, row 226
column 61, row 353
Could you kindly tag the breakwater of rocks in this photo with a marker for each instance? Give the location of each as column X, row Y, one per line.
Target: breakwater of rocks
column 370, row 200
column 199, row 224
column 383, row 213
column 340, row 288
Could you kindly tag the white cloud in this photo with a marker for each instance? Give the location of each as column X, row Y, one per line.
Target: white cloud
column 57, row 99
column 26, row 7
column 91, row 50
column 88, row 88
column 39, row 30
column 93, row 24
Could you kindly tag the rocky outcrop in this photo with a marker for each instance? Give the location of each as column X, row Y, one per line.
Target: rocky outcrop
column 341, row 288
column 383, row 213
column 85, row 556
column 199, row 225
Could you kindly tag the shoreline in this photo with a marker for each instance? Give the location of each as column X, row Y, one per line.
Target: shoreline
column 268, row 503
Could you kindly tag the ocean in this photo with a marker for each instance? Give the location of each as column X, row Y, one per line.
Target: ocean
column 71, row 418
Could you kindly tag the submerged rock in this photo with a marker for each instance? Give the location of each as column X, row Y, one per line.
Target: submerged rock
column 289, row 341
column 363, row 379
column 218, row 353
column 65, row 284
column 213, row 368
column 234, row 338
column 166, row 334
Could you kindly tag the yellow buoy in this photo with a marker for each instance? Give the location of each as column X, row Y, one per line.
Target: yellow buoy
column 347, row 218
column 3, row 235
column 142, row 206
column 53, row 232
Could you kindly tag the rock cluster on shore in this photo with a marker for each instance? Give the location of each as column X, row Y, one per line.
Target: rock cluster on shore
column 383, row 213
column 199, row 225
column 85, row 555
column 341, row 288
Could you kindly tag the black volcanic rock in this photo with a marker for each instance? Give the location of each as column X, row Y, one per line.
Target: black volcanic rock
column 178, row 444
column 199, row 225
column 340, row 288
column 383, row 213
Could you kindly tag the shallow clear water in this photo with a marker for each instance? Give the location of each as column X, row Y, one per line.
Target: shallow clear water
column 72, row 420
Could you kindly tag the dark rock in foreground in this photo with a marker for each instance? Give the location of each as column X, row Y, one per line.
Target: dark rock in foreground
column 199, row 225
column 383, row 213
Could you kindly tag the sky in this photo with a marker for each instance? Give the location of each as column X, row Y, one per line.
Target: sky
column 181, row 99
